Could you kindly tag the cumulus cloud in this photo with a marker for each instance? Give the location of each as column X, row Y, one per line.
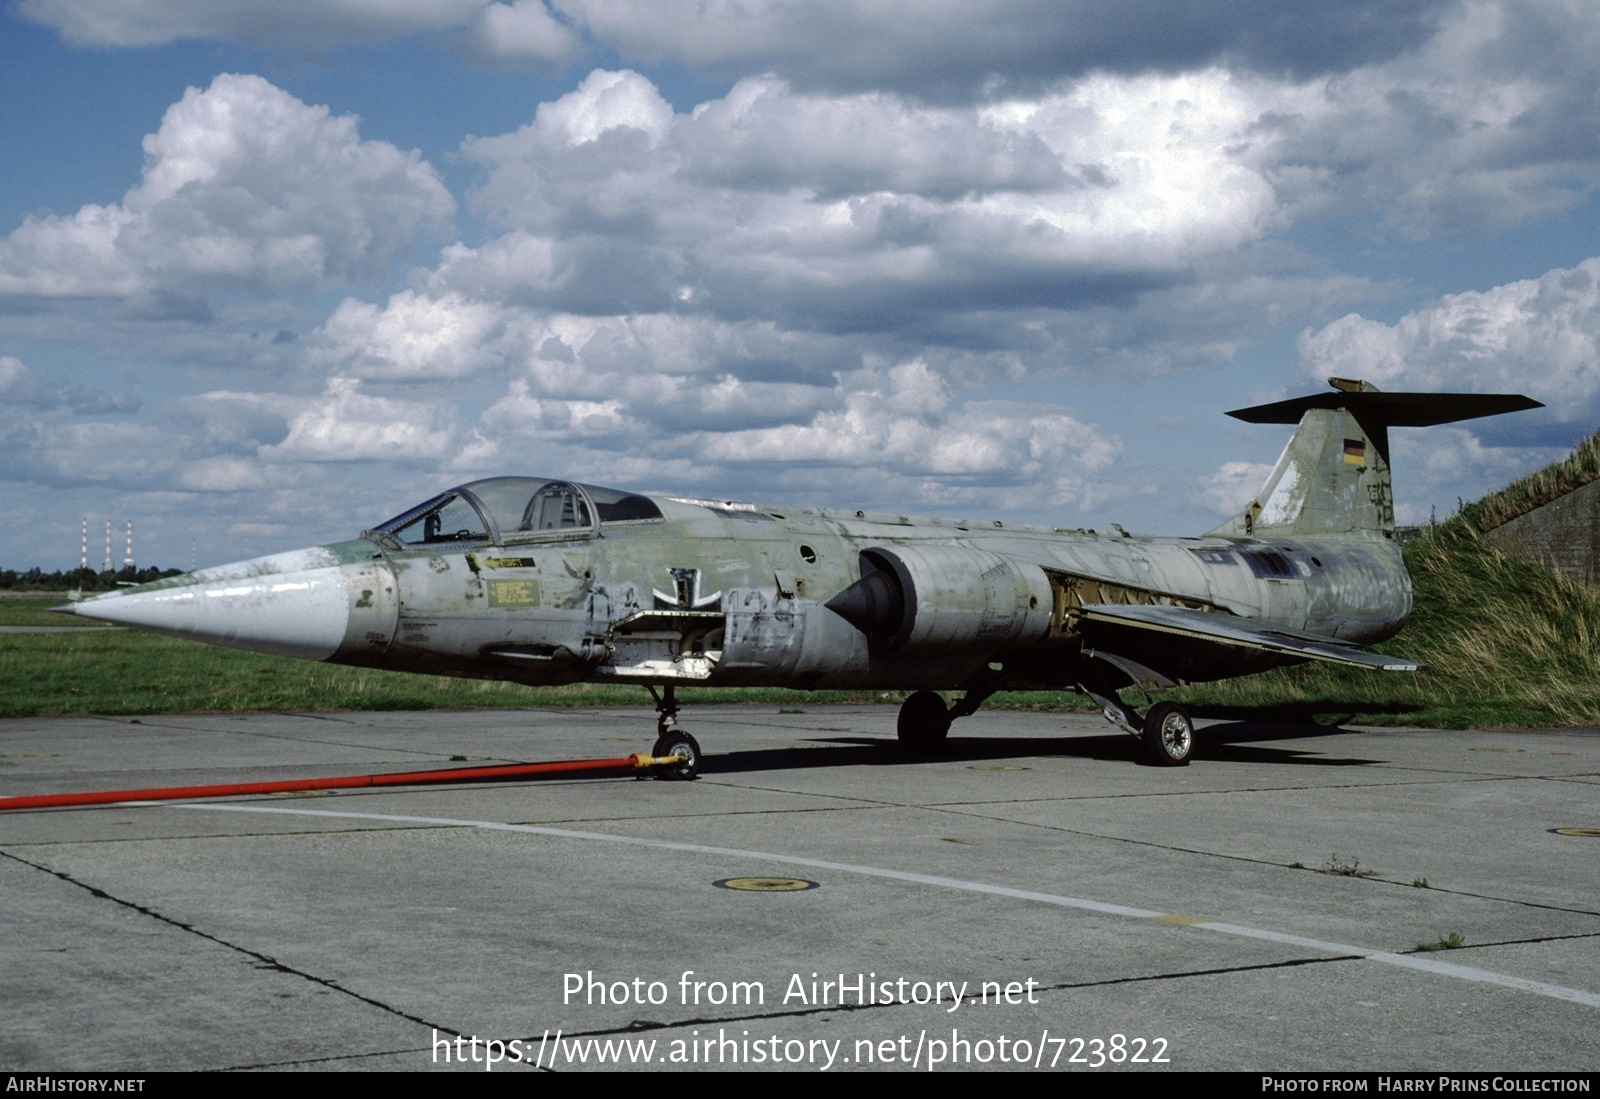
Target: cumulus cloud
column 224, row 434
column 413, row 337
column 22, row 388
column 1232, row 486
column 521, row 415
column 519, row 33
column 244, row 187
column 62, row 433
column 663, row 358
column 1440, row 114
column 222, row 473
column 290, row 22
column 347, row 425
column 880, row 435
column 904, row 421
column 956, row 49
column 855, row 213
column 1452, row 464
column 116, row 453
column 1540, row 336
column 938, row 49
column 1495, row 121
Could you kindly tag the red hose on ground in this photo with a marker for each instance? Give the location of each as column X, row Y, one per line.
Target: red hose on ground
column 343, row 782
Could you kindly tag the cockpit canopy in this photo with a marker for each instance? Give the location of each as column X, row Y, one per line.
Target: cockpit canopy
column 513, row 509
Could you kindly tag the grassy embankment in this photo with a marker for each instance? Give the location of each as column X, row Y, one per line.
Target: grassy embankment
column 1507, row 644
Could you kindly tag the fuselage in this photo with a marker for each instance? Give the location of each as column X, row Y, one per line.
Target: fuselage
column 543, row 581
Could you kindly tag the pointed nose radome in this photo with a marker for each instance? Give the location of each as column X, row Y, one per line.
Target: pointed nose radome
column 290, row 604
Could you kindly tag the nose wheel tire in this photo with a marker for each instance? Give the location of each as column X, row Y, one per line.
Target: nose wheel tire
column 924, row 722
column 683, row 746
column 1168, row 734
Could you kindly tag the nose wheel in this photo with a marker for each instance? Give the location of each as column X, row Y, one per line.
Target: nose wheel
column 678, row 752
column 682, row 753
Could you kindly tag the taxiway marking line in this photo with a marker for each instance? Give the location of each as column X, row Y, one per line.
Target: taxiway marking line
column 1403, row 961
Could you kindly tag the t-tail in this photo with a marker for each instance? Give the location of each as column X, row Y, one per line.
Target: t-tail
column 1333, row 477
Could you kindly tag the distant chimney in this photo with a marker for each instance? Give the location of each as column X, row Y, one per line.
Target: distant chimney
column 83, row 562
column 108, row 547
column 127, row 559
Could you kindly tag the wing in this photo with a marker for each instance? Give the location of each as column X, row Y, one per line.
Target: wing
column 1227, row 630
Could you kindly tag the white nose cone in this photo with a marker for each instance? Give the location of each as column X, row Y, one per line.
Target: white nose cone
column 289, row 604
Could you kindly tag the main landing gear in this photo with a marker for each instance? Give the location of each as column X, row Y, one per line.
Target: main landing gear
column 677, row 753
column 924, row 719
column 1166, row 732
column 923, row 723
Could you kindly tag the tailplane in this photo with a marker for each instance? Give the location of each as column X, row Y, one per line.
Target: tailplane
column 1333, row 477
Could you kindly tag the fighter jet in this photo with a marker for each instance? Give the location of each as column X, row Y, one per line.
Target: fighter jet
column 545, row 581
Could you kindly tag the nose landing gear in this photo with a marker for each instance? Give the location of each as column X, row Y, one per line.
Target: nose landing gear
column 677, row 754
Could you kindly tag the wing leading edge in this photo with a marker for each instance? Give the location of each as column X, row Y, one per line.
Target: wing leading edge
column 1224, row 630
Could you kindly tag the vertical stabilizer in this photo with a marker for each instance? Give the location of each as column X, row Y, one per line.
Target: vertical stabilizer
column 1333, row 477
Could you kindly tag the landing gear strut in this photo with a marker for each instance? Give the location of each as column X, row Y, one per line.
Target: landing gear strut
column 672, row 742
column 666, row 707
column 1166, row 733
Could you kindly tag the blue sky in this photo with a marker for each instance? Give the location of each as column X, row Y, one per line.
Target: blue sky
column 268, row 275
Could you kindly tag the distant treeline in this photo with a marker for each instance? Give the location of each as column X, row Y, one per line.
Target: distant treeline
column 36, row 579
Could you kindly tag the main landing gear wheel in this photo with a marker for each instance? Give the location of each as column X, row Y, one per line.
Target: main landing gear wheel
column 1168, row 734
column 685, row 748
column 924, row 722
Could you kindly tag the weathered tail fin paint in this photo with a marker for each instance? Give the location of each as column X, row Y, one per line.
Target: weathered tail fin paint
column 1333, row 477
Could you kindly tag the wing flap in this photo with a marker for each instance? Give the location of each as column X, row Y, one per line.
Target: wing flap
column 1228, row 630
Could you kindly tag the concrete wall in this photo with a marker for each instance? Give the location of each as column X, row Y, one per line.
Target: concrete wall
column 1563, row 535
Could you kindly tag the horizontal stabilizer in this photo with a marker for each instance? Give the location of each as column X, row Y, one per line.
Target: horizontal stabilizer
column 1229, row 630
column 1391, row 409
